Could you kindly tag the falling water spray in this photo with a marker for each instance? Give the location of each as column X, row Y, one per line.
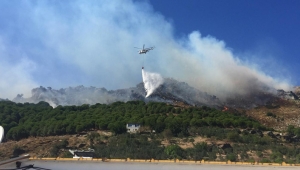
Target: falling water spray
column 151, row 81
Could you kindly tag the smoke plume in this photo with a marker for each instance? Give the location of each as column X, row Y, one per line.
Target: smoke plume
column 90, row 43
column 151, row 81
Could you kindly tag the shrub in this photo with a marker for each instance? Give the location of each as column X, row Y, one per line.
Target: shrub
column 174, row 152
column 270, row 114
column 231, row 157
column 18, row 151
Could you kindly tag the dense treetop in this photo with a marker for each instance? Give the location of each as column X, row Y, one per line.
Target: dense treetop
column 23, row 120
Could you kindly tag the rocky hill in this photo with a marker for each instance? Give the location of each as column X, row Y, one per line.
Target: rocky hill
column 278, row 113
column 171, row 91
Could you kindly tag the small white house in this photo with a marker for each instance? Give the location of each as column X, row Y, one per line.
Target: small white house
column 132, row 127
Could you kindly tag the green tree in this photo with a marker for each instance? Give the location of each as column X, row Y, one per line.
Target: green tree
column 174, row 152
column 200, row 151
column 117, row 127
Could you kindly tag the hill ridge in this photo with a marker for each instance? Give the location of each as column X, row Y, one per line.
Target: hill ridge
column 171, row 91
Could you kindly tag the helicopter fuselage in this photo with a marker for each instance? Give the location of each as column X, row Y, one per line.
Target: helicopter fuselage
column 143, row 51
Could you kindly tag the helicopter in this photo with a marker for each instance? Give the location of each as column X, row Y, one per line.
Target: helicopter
column 144, row 50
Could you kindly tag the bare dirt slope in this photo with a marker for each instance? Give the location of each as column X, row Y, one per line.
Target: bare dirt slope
column 41, row 146
column 278, row 114
column 35, row 146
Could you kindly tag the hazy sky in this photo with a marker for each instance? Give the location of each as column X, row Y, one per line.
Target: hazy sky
column 222, row 47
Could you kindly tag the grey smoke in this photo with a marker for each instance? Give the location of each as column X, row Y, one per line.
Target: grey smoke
column 170, row 91
column 91, row 43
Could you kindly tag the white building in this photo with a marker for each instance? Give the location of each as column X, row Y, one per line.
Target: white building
column 82, row 154
column 132, row 127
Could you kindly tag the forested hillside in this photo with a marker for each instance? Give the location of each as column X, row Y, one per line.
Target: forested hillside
column 192, row 133
column 24, row 120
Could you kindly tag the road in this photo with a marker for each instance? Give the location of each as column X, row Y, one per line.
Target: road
column 76, row 165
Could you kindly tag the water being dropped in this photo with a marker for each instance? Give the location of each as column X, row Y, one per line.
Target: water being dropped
column 151, row 81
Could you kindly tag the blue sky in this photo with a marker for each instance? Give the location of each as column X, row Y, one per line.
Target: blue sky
column 269, row 27
column 221, row 47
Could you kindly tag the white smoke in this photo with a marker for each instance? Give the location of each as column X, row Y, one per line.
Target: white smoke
column 151, row 81
column 90, row 43
column 15, row 77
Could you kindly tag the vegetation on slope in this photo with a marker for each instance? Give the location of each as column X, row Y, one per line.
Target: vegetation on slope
column 173, row 125
column 24, row 120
